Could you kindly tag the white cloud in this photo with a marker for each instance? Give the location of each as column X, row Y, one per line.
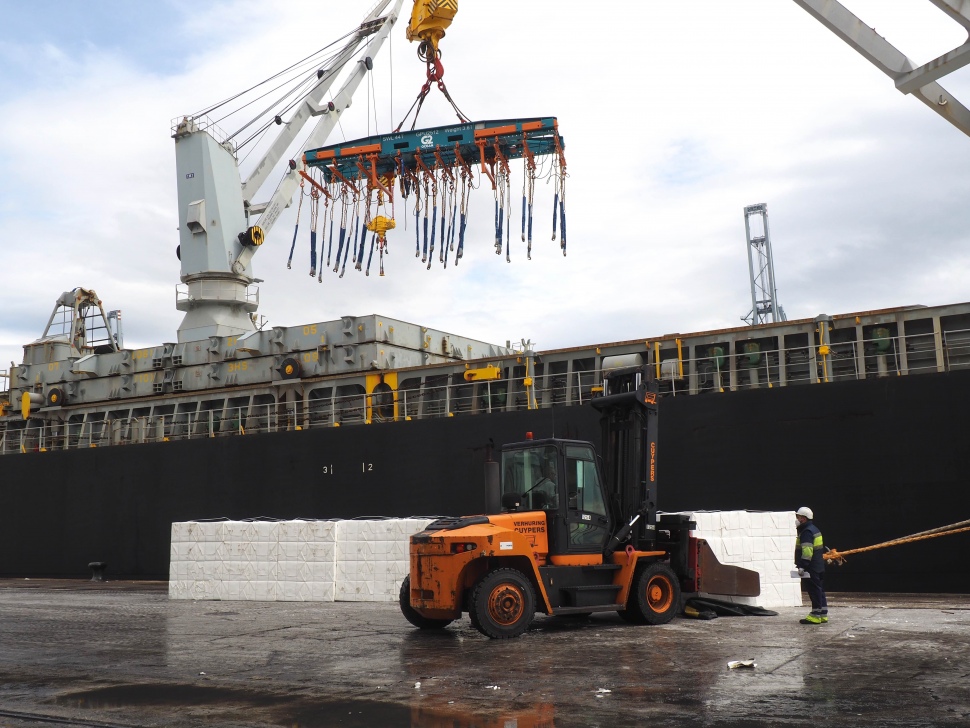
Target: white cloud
column 675, row 116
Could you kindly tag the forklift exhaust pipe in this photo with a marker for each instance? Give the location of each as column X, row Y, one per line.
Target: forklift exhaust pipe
column 493, row 495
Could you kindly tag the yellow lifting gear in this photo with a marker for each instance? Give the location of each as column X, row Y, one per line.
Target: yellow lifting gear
column 429, row 18
column 381, row 224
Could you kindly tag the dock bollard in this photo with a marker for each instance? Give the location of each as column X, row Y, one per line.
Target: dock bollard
column 97, row 570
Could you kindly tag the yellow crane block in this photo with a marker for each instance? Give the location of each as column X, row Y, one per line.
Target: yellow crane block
column 429, row 19
column 381, row 224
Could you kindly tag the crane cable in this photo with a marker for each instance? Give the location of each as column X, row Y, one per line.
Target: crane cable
column 839, row 556
column 306, row 60
column 435, row 73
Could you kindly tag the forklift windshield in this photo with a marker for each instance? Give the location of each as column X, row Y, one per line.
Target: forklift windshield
column 532, row 475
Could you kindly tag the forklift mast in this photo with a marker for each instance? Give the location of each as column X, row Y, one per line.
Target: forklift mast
column 629, row 449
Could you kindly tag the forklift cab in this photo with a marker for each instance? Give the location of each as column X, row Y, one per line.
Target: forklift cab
column 560, row 478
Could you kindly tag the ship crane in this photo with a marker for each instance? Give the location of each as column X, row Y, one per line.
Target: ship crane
column 436, row 167
column 217, row 237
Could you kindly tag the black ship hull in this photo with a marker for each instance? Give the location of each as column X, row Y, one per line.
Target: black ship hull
column 875, row 459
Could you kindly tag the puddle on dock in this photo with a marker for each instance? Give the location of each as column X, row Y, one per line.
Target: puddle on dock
column 296, row 711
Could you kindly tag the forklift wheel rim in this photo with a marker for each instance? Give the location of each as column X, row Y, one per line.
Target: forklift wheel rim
column 660, row 593
column 506, row 603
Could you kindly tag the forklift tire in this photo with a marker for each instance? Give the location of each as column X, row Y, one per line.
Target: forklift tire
column 655, row 596
column 411, row 615
column 502, row 604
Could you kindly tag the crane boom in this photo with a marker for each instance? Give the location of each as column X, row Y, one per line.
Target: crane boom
column 284, row 192
column 310, row 106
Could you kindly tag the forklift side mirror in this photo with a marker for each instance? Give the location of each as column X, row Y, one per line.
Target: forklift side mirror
column 511, row 501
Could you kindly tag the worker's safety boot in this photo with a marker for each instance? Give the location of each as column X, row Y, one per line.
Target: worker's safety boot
column 815, row 618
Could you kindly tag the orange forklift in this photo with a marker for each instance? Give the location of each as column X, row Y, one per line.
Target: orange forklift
column 566, row 535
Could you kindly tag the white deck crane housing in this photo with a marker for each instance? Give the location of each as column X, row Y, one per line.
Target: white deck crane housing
column 217, row 237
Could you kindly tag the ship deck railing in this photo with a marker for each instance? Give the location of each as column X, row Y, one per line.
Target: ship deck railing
column 442, row 391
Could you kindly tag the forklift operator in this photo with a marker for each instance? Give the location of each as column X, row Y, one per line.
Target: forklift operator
column 545, row 493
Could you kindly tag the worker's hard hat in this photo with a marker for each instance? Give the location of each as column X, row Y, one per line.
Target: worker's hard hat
column 804, row 511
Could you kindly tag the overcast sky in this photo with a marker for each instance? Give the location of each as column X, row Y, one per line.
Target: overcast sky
column 675, row 115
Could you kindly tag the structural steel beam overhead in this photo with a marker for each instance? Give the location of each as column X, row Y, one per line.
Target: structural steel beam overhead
column 921, row 81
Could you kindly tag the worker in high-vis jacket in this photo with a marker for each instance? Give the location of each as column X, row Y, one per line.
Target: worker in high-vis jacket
column 809, row 548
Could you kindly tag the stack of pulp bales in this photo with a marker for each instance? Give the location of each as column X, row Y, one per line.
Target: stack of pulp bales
column 302, row 560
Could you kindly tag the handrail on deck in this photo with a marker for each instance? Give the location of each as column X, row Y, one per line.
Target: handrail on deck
column 892, row 356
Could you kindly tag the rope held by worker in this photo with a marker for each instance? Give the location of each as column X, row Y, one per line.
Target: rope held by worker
column 961, row 527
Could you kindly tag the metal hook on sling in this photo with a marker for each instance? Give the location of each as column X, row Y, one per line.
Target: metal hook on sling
column 434, row 220
column 465, row 192
column 528, row 193
column 417, row 228
column 559, row 212
column 343, row 230
column 296, row 228
column 434, row 215
column 562, row 209
column 508, row 233
column 359, row 259
column 555, row 212
column 343, row 267
column 333, row 209
column 314, row 220
column 424, row 252
column 370, row 257
column 448, row 244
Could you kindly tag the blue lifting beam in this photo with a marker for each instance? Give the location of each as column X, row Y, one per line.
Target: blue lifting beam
column 484, row 143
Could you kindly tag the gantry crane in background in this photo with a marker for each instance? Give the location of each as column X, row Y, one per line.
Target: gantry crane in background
column 765, row 307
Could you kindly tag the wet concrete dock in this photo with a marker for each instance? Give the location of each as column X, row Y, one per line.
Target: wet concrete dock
column 121, row 654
